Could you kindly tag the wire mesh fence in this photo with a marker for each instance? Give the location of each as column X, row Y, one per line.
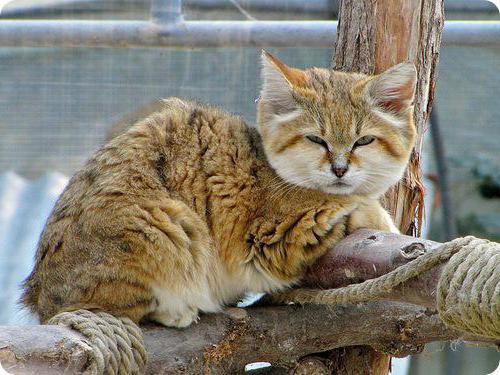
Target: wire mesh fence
column 58, row 105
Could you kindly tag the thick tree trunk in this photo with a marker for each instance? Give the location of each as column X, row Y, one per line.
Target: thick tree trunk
column 372, row 36
column 375, row 35
column 224, row 343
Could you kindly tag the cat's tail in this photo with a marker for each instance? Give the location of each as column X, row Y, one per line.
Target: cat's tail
column 30, row 292
column 116, row 342
column 31, row 299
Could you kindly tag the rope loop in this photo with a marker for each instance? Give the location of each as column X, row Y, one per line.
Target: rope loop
column 468, row 291
column 117, row 343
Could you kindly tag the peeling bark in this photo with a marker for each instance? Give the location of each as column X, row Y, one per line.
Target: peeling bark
column 372, row 36
column 367, row 254
column 224, row 343
column 375, row 35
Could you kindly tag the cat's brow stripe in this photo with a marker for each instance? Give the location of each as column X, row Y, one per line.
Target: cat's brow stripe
column 289, row 143
column 389, row 147
column 359, row 124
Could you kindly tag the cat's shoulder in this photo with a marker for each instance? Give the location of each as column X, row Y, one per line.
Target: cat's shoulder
column 192, row 108
column 186, row 113
column 177, row 124
column 182, row 112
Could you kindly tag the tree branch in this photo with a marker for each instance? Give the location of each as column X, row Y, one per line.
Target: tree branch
column 224, row 343
column 367, row 254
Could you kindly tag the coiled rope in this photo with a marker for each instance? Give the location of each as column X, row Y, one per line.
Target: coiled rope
column 117, row 344
column 467, row 293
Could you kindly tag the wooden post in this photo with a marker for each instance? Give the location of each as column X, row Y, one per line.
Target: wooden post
column 372, row 36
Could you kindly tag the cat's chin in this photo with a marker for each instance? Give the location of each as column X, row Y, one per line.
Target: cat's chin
column 338, row 188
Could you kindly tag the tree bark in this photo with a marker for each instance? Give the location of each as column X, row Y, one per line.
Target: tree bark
column 368, row 254
column 375, row 35
column 224, row 343
column 281, row 335
column 372, row 36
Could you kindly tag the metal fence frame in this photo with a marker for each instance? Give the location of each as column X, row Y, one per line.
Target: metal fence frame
column 319, row 7
column 167, row 28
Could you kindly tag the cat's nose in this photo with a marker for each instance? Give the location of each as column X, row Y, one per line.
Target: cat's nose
column 339, row 171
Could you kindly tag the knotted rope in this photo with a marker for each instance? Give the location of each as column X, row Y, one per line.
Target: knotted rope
column 117, row 344
column 467, row 293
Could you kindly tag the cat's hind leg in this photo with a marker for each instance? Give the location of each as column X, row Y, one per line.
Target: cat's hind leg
column 177, row 259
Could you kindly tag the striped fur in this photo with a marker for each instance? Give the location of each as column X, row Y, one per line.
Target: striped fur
column 190, row 208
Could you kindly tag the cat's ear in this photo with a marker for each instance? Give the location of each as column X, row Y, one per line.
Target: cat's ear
column 279, row 82
column 393, row 91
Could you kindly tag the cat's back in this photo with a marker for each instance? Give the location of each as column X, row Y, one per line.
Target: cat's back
column 144, row 190
column 168, row 151
column 168, row 155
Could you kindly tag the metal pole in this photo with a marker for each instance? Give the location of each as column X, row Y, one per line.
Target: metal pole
column 302, row 6
column 449, row 219
column 166, row 11
column 324, row 7
column 208, row 34
column 471, row 33
column 192, row 34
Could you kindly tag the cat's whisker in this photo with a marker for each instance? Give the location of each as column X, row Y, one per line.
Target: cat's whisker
column 277, row 190
column 284, row 193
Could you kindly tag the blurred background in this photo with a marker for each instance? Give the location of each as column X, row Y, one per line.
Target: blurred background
column 58, row 105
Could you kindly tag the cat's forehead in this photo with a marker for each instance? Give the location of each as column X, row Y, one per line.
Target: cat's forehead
column 334, row 85
column 339, row 110
column 340, row 127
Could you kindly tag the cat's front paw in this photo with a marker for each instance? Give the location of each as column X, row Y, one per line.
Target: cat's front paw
column 178, row 320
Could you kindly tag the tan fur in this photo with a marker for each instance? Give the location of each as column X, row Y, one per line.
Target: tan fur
column 185, row 213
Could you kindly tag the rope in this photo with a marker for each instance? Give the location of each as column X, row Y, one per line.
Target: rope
column 467, row 293
column 117, row 343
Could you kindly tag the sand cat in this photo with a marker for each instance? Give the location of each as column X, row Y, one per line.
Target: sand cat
column 191, row 208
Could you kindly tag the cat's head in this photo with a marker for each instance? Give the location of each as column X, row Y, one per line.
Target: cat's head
column 341, row 133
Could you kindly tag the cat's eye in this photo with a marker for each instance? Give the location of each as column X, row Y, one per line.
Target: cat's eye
column 363, row 141
column 318, row 140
